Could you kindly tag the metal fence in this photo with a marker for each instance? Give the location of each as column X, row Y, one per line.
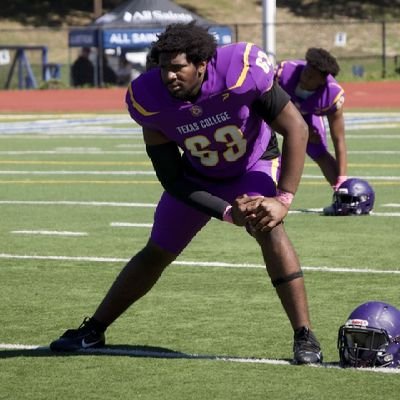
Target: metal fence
column 365, row 50
column 368, row 50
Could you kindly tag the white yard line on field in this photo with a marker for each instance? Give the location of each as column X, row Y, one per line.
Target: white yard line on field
column 152, row 173
column 153, row 353
column 130, row 225
column 151, row 205
column 319, row 211
column 384, row 214
column 363, row 127
column 73, row 116
column 6, row 172
column 215, row 264
column 98, row 151
column 50, row 233
column 73, row 151
column 78, row 203
column 373, row 152
column 367, row 177
column 78, row 135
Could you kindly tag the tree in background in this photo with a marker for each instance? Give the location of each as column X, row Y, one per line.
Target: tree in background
column 64, row 12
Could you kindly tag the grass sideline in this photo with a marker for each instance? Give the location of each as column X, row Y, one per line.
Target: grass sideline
column 61, row 176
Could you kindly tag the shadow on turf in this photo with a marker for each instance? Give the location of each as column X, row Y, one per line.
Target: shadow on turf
column 124, row 350
column 138, row 351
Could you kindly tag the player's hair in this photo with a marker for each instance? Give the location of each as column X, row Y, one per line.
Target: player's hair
column 191, row 39
column 322, row 60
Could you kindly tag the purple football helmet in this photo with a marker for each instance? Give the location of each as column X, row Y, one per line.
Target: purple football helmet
column 353, row 197
column 371, row 337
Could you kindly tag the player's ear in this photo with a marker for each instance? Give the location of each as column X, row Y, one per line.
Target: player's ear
column 201, row 68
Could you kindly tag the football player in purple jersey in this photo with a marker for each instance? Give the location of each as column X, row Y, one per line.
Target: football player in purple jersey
column 314, row 90
column 207, row 115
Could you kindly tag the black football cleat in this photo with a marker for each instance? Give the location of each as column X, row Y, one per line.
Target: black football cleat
column 85, row 337
column 306, row 347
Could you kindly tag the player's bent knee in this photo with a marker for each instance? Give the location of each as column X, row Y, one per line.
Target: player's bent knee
column 286, row 279
column 158, row 255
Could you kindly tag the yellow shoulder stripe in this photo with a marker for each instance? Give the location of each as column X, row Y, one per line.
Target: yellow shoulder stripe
column 336, row 99
column 340, row 94
column 245, row 68
column 138, row 107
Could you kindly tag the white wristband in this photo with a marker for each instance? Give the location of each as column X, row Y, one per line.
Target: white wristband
column 227, row 215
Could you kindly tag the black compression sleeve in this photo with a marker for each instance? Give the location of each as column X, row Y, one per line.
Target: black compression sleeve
column 167, row 163
column 271, row 103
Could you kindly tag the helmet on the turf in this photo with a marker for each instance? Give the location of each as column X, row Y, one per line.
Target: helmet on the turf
column 353, row 197
column 371, row 337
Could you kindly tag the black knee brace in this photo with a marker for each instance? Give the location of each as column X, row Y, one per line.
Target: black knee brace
column 287, row 278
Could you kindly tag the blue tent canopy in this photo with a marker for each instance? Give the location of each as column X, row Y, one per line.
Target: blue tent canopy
column 135, row 25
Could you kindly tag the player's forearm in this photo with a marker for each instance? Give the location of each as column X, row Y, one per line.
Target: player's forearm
column 294, row 130
column 167, row 164
column 293, row 157
column 339, row 144
column 201, row 200
column 337, row 129
column 341, row 157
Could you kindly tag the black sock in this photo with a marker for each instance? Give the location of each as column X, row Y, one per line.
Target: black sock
column 97, row 325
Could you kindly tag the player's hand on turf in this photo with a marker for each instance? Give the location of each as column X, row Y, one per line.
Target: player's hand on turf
column 268, row 214
column 244, row 207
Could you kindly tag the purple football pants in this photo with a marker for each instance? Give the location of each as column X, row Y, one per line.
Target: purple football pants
column 319, row 146
column 175, row 223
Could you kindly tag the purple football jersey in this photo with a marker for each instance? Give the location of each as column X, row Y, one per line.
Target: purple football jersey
column 325, row 100
column 219, row 132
